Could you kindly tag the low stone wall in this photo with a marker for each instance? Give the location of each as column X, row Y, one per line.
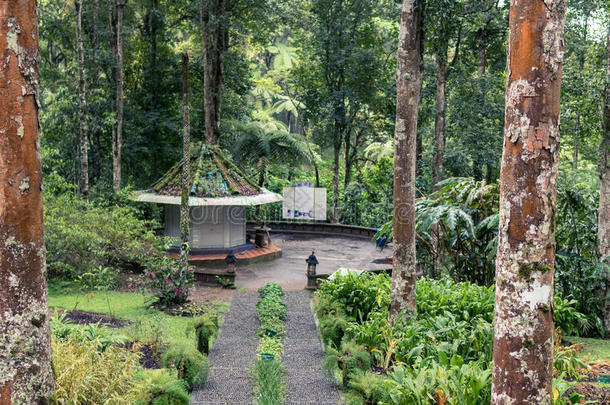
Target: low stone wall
column 316, row 228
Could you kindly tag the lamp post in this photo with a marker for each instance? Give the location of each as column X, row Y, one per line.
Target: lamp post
column 312, row 262
column 312, row 278
column 231, row 262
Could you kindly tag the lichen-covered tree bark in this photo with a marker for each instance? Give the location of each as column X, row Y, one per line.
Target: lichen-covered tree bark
column 117, row 141
column 213, row 21
column 523, row 324
column 186, row 175
column 83, row 176
column 26, row 376
column 603, row 229
column 408, row 83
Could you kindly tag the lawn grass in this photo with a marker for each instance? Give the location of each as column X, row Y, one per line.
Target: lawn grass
column 594, row 349
column 149, row 323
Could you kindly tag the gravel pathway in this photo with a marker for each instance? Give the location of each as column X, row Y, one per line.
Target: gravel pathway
column 232, row 355
column 307, row 382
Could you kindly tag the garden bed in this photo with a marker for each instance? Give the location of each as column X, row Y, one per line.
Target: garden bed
column 79, row 317
column 149, row 354
column 146, row 354
column 443, row 356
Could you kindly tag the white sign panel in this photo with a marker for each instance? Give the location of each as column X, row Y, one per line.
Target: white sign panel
column 304, row 202
column 288, row 205
column 319, row 208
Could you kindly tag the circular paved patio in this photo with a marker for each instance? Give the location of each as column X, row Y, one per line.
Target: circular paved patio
column 333, row 252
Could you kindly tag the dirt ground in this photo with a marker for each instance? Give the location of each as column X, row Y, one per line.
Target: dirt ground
column 200, row 293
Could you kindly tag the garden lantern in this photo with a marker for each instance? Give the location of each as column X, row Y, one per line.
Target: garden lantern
column 231, row 262
column 312, row 262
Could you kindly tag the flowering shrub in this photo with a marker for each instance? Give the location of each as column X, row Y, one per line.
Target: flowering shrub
column 165, row 280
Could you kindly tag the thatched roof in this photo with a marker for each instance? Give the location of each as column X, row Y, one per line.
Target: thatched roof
column 215, row 180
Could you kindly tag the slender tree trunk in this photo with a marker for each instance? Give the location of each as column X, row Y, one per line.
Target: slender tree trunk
column 575, row 145
column 83, row 179
column 337, row 151
column 523, row 324
column 117, row 143
column 186, row 168
column 151, row 28
column 95, row 135
column 581, row 63
column 26, row 376
column 112, row 77
column 439, row 125
column 439, row 148
column 419, row 147
column 347, row 166
column 408, row 83
column 481, row 40
column 603, row 232
column 212, row 18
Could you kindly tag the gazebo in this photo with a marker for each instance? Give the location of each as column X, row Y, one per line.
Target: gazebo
column 219, row 195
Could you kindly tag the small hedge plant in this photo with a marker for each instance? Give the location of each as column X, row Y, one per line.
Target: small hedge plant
column 163, row 388
column 269, row 371
column 192, row 367
column 271, row 311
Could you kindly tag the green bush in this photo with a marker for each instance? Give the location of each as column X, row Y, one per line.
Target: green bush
column 332, row 328
column 271, row 304
column 168, row 282
column 442, row 356
column 271, row 346
column 162, row 388
column 452, row 383
column 192, row 367
column 272, row 326
column 568, row 318
column 268, row 371
column 358, row 295
column 95, row 333
column 348, row 360
column 466, row 301
column 366, row 388
column 270, row 387
column 86, row 376
column 80, row 236
column 270, row 290
column 205, row 328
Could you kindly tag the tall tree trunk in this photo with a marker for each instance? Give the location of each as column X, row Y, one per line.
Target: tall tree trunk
column 581, row 63
column 575, row 145
column 112, row 76
column 151, row 28
column 336, row 154
column 603, row 229
column 95, row 135
column 26, row 376
column 439, row 124
column 83, row 178
column 347, row 164
column 351, row 151
column 117, row 141
column 439, row 147
column 481, row 41
column 212, row 18
column 186, row 168
column 408, row 83
column 523, row 324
